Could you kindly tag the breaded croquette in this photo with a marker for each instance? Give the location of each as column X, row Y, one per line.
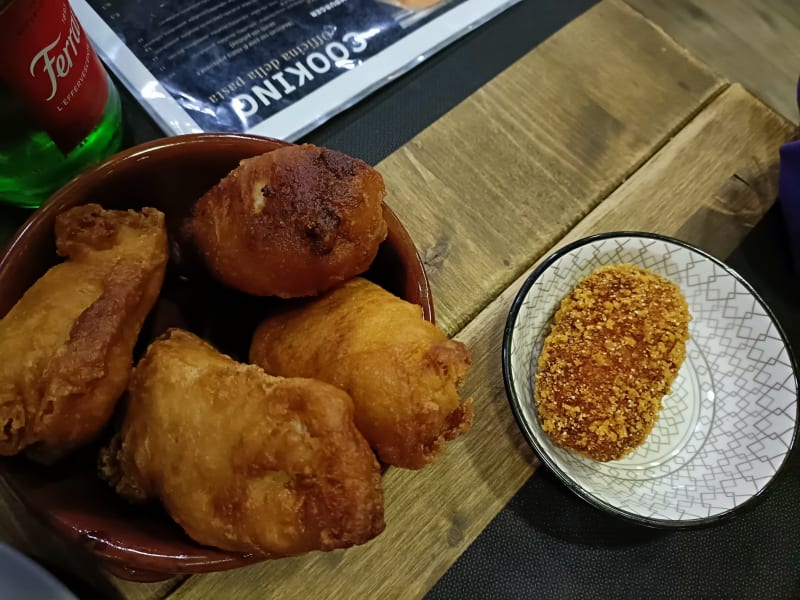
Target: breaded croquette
column 617, row 343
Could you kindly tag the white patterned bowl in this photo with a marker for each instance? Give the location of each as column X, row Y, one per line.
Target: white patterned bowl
column 731, row 419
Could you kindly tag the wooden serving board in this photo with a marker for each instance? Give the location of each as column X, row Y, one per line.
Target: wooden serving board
column 709, row 185
column 501, row 177
column 433, row 515
column 753, row 42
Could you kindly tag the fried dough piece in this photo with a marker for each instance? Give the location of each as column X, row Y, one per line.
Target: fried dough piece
column 67, row 345
column 242, row 460
column 400, row 370
column 616, row 346
column 292, row 222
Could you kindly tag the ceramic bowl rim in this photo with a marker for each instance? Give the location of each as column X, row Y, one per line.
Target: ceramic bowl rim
column 143, row 151
column 120, row 560
column 541, row 451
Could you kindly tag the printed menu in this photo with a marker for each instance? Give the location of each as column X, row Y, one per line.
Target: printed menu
column 273, row 67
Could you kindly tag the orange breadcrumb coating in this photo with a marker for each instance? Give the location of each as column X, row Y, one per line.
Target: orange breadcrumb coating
column 617, row 343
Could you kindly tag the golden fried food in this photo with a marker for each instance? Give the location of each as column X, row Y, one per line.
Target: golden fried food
column 617, row 343
column 292, row 222
column 67, row 345
column 401, row 371
column 242, row 460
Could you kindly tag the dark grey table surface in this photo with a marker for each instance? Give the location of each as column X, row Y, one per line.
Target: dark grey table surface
column 547, row 542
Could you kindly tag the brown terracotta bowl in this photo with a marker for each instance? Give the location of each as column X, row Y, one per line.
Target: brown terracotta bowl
column 135, row 542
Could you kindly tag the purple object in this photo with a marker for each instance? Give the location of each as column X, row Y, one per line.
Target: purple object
column 789, row 196
column 789, row 193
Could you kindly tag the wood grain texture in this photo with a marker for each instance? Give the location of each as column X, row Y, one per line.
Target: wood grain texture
column 510, row 170
column 754, row 42
column 709, row 185
column 433, row 515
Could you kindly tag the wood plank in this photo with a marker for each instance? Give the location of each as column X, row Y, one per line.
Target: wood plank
column 710, row 185
column 750, row 41
column 507, row 172
column 433, row 515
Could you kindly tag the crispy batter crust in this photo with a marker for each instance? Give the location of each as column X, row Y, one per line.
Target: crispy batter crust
column 617, row 343
column 67, row 345
column 242, row 460
column 401, row 371
column 292, row 222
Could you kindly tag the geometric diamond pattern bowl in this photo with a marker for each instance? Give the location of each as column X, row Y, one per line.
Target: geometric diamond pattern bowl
column 728, row 424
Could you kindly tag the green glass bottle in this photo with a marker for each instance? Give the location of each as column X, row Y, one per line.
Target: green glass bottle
column 59, row 110
column 31, row 165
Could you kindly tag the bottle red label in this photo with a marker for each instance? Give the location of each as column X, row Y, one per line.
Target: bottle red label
column 49, row 62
